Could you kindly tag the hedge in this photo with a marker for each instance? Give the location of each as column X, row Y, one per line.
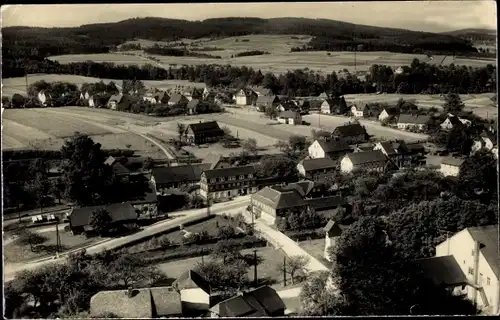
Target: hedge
column 301, row 235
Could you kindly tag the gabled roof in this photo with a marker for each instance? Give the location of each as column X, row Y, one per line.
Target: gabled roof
column 335, row 102
column 443, row 270
column 193, row 104
column 183, row 173
column 350, row 130
column 266, row 99
column 109, row 161
column 191, row 280
column 487, row 237
column 333, row 145
column 116, row 98
column 287, row 105
column 408, row 118
column 146, row 196
column 388, row 148
column 246, row 91
column 277, row 199
column 452, row 161
column 213, row 159
column 318, row 164
column 455, row 121
column 333, row 228
column 288, row 114
column 176, row 97
column 144, row 303
column 358, row 158
column 324, row 95
column 118, row 211
column 229, row 172
column 203, row 127
column 260, row 302
column 324, row 203
column 303, row 187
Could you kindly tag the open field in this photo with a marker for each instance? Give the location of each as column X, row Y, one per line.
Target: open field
column 17, row 252
column 117, row 58
column 11, row 86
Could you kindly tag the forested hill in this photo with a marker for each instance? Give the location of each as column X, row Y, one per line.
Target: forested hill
column 23, row 42
column 474, row 34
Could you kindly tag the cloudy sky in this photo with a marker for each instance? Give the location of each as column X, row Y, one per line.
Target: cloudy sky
column 434, row 16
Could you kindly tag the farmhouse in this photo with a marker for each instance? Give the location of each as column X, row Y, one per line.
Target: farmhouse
column 323, row 96
column 306, row 188
column 245, row 97
column 157, row 302
column 123, row 214
column 364, row 147
column 408, row 121
column 45, row 98
column 303, row 106
column 384, row 115
column 326, row 206
column 96, row 101
column 360, row 111
column 454, row 122
column 286, row 106
column 177, row 99
column 260, row 302
column 317, row 169
column 192, row 93
column 145, row 202
column 486, row 141
column 350, row 133
column 216, row 161
column 334, row 106
column 119, row 102
column 164, row 178
column 261, row 91
column 451, row 166
column 84, row 95
column 333, row 231
column 468, row 263
column 192, row 106
column 263, row 102
column 397, row 151
column 227, row 182
column 315, row 105
column 290, row 117
column 116, row 166
column 271, row 203
column 195, row 293
column 371, row 160
column 203, row 132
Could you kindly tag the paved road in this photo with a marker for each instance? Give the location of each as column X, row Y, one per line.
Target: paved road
column 233, row 207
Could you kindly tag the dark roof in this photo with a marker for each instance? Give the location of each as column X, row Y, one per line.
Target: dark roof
column 303, row 187
column 176, row 97
column 333, row 228
column 117, row 97
column 148, row 196
column 191, row 280
column 315, row 104
column 228, row 172
column 333, row 145
column 278, row 198
column 266, row 99
column 455, row 121
column 177, row 173
column 213, row 160
column 248, row 92
column 350, row 130
column 452, row 161
column 443, row 270
column 318, row 164
column 487, row 236
column 408, row 118
column 203, row 127
column 288, row 114
column 260, row 302
column 366, row 157
column 118, row 211
column 335, row 102
column 144, row 303
column 388, row 148
column 193, row 104
column 324, row 203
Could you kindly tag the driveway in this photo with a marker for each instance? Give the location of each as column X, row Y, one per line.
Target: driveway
column 232, row 207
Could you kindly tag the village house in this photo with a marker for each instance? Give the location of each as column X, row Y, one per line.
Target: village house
column 203, row 132
column 333, row 231
column 273, row 202
column 119, row 102
column 317, row 169
column 334, row 106
column 146, row 202
column 371, row 160
column 399, row 70
column 161, row 97
column 454, row 122
column 192, row 106
column 157, row 302
column 360, row 111
column 451, row 166
column 303, row 106
column 486, row 141
column 286, row 106
column 207, row 92
column 245, row 97
column 411, row 122
column 364, row 147
column 261, row 91
column 315, row 105
column 306, row 188
column 164, row 178
column 264, row 102
column 467, row 263
column 385, row 115
column 261, row 302
column 177, row 99
column 122, row 214
column 45, row 98
column 216, row 161
column 192, row 93
column 118, row 168
column 227, row 182
column 290, row 117
column 84, row 95
column 323, row 96
column 397, row 151
column 326, row 206
column 97, row 101
column 350, row 133
column 195, row 293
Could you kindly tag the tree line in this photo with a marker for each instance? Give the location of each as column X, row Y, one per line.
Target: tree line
column 177, row 52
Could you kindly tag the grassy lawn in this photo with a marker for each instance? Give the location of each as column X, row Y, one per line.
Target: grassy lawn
column 315, row 248
column 17, row 252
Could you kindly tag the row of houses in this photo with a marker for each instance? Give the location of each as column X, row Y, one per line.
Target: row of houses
column 190, row 295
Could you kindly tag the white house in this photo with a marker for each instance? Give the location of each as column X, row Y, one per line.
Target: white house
column 269, row 203
column 408, row 121
column 453, row 121
column 370, row 160
column 451, row 166
column 383, row 115
column 84, row 95
column 475, row 251
column 484, row 142
column 44, row 97
column 244, row 97
column 195, row 292
column 290, row 117
column 92, row 101
column 332, row 149
column 332, row 232
column 399, row 70
column 357, row 112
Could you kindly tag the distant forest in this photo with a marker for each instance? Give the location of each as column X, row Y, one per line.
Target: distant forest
column 38, row 43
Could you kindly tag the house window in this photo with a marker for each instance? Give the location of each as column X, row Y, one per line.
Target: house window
column 488, row 281
column 221, row 179
column 471, row 271
column 242, row 177
column 213, row 180
column 250, row 175
column 472, row 253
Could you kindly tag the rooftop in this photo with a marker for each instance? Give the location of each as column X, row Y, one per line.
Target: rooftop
column 350, row 130
column 229, row 172
column 118, row 211
column 452, row 161
column 487, row 236
column 358, row 158
column 279, row 199
column 318, row 164
column 443, row 270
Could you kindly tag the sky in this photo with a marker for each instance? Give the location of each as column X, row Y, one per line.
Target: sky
column 431, row 16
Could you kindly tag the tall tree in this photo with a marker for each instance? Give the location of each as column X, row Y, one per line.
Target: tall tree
column 101, row 221
column 453, row 103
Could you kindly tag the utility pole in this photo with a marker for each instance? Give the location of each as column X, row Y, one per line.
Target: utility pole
column 208, row 205
column 58, row 241
column 284, row 271
column 255, row 267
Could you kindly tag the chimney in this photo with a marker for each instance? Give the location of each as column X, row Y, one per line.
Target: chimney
column 130, row 292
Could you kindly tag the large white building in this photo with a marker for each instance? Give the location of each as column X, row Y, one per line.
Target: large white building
column 451, row 166
column 370, row 160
